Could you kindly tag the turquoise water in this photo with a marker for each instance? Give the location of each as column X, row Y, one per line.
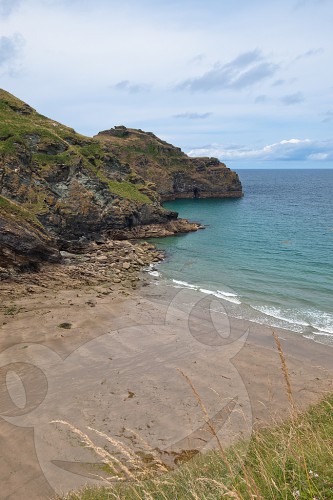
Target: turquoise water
column 269, row 255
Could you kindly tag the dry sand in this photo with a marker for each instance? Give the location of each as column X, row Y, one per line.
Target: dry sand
column 117, row 368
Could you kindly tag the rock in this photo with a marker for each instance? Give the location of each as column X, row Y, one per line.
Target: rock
column 69, row 255
column 24, row 243
column 86, row 190
column 126, row 265
column 168, row 170
column 91, row 303
column 101, row 258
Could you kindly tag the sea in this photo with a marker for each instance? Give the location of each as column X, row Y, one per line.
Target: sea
column 268, row 255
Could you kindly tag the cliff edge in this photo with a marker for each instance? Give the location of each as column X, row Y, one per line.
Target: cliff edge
column 77, row 188
column 175, row 174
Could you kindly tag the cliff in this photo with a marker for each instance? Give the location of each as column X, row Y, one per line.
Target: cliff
column 23, row 240
column 175, row 174
column 71, row 183
column 78, row 188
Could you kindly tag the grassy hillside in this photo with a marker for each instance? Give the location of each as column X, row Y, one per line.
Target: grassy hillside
column 79, row 187
column 174, row 173
column 49, row 146
column 15, row 212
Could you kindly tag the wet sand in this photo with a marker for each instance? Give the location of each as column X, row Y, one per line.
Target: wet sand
column 117, row 368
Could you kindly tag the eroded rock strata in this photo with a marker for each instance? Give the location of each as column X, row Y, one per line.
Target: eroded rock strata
column 174, row 174
column 74, row 189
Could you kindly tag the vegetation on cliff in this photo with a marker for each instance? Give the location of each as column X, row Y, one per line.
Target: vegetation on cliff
column 174, row 173
column 78, row 187
column 69, row 181
column 23, row 240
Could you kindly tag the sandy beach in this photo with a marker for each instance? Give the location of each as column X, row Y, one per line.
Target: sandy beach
column 121, row 363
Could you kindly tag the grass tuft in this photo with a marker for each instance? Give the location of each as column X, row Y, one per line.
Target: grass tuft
column 65, row 326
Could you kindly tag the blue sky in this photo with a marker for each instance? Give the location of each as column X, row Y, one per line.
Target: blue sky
column 241, row 80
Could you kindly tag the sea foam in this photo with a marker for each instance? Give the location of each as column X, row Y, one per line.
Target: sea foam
column 228, row 296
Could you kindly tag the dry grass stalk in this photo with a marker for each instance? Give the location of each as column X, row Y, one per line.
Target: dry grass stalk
column 208, row 422
column 285, row 373
column 106, row 457
column 127, row 452
column 157, row 461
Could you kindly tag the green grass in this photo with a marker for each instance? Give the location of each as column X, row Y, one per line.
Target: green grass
column 16, row 212
column 127, row 190
column 65, row 326
column 20, row 125
column 11, row 310
column 288, row 461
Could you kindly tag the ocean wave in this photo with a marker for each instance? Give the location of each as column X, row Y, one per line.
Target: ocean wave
column 154, row 273
column 278, row 314
column 323, row 333
column 327, row 330
column 151, row 270
column 220, row 295
column 320, row 322
column 228, row 296
column 184, row 284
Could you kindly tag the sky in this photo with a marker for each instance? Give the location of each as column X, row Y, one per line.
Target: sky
column 244, row 81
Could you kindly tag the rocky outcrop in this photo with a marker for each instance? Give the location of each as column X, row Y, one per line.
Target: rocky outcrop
column 23, row 242
column 112, row 266
column 73, row 184
column 75, row 189
column 170, row 228
column 174, row 173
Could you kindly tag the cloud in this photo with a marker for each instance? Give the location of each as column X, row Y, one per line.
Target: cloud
column 291, row 149
column 193, row 116
column 242, row 72
column 291, row 99
column 261, row 98
column 309, row 53
column 10, row 48
column 7, row 7
column 197, row 59
column 278, row 83
column 132, row 88
column 328, row 115
column 303, row 3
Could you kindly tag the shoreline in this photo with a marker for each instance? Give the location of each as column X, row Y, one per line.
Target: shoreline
column 242, row 310
column 117, row 366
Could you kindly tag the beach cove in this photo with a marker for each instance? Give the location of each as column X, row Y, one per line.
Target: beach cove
column 268, row 254
column 117, row 367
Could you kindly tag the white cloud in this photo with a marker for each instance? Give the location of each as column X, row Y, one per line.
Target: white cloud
column 132, row 88
column 8, row 6
column 10, row 48
column 309, row 53
column 193, row 116
column 287, row 149
column 291, row 99
column 244, row 71
column 319, row 156
column 96, row 64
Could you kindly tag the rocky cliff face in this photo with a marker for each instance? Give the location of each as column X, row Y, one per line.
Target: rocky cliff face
column 23, row 241
column 174, row 173
column 76, row 188
column 73, row 184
